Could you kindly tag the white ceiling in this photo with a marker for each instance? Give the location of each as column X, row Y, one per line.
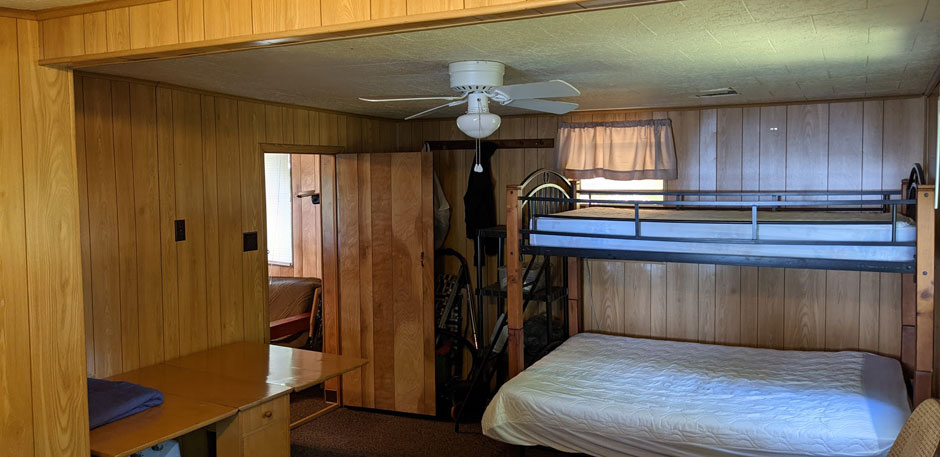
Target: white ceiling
column 657, row 55
column 40, row 4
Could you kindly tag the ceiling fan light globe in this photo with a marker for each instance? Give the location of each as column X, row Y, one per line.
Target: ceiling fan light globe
column 478, row 125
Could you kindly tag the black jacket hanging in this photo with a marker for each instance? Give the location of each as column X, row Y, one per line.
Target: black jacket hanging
column 480, row 200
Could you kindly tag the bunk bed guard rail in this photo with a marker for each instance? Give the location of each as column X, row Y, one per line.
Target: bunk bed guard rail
column 556, row 193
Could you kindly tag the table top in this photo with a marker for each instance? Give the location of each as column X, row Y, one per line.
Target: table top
column 295, row 368
column 222, row 390
column 176, row 417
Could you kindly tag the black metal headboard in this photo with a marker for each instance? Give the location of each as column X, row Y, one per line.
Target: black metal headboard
column 916, row 178
column 546, row 183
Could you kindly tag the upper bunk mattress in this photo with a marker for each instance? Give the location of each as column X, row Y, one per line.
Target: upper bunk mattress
column 616, row 396
column 805, row 226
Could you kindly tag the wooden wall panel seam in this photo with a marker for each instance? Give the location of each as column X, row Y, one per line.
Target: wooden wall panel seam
column 167, row 191
column 127, row 226
column 106, row 283
column 83, row 223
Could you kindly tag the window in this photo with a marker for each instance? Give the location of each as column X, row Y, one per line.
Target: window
column 277, row 191
column 603, row 184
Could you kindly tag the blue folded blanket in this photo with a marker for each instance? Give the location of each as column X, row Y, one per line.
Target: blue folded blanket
column 109, row 401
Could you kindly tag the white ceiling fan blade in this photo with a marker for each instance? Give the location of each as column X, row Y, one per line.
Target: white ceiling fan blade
column 547, row 106
column 546, row 89
column 412, row 99
column 428, row 111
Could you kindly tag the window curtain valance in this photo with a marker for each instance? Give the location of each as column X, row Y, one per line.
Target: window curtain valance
column 623, row 150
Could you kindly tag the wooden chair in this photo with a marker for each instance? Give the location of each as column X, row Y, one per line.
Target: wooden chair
column 920, row 435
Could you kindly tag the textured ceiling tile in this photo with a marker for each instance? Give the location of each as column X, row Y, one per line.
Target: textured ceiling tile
column 917, row 73
column 899, row 12
column 818, row 91
column 847, row 70
column 847, row 82
column 926, row 41
column 793, row 27
column 676, row 17
column 932, row 12
column 889, row 3
column 911, row 85
column 771, row 10
column 894, row 37
column 650, row 56
column 882, row 83
column 787, row 92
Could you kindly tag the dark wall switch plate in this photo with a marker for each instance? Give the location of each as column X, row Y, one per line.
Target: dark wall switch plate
column 250, row 241
column 180, row 229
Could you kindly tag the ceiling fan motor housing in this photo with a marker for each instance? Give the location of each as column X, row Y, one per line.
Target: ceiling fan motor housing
column 475, row 75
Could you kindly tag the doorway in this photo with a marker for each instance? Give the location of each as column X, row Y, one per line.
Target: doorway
column 294, row 248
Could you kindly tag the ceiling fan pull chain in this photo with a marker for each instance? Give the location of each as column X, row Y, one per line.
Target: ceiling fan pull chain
column 478, row 167
column 477, row 159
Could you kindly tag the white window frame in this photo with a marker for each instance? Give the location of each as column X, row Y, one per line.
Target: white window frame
column 279, row 208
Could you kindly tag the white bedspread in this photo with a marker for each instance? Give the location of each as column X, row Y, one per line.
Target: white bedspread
column 612, row 396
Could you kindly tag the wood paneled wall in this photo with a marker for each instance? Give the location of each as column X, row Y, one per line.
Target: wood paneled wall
column 851, row 145
column 44, row 408
column 377, row 223
column 149, row 155
column 305, row 220
column 184, row 27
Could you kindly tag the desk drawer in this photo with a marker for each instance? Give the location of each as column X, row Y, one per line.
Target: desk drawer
column 271, row 441
column 276, row 411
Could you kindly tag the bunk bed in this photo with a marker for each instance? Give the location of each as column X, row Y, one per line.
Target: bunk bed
column 615, row 395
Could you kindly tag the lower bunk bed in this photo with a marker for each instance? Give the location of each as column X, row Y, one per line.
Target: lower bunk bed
column 618, row 396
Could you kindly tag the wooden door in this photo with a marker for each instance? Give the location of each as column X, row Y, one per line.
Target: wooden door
column 378, row 258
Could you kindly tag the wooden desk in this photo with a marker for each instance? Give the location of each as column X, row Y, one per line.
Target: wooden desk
column 239, row 390
column 176, row 417
column 294, row 368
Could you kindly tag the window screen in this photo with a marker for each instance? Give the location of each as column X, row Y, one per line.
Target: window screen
column 278, row 195
column 587, row 185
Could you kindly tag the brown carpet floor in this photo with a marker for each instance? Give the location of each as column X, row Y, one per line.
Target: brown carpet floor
column 349, row 432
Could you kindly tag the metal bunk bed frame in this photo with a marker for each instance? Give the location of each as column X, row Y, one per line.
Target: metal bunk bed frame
column 546, row 192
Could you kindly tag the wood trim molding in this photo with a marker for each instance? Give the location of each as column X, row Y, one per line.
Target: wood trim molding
column 384, row 26
column 301, row 149
column 18, row 14
column 84, row 8
column 530, row 143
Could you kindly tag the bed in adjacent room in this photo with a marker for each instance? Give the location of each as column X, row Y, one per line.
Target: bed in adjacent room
column 610, row 395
